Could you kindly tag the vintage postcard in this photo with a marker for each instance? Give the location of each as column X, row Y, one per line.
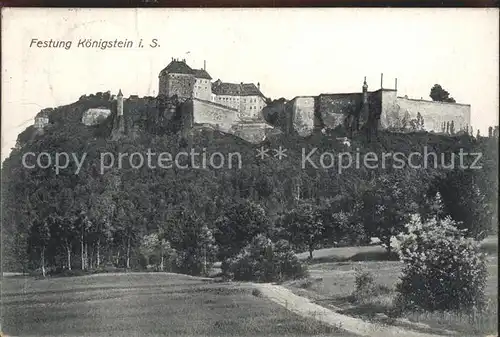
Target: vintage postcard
column 249, row 172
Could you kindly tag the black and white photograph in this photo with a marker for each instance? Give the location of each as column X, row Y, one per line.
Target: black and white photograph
column 249, row 172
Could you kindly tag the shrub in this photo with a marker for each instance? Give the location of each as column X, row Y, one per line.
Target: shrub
column 257, row 293
column 364, row 281
column 443, row 270
column 265, row 261
column 369, row 292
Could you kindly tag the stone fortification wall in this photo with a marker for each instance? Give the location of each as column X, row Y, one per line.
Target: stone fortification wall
column 435, row 113
column 206, row 112
column 334, row 108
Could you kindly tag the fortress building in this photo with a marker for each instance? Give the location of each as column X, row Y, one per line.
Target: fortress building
column 244, row 97
column 181, row 80
column 42, row 119
column 381, row 108
column 228, row 107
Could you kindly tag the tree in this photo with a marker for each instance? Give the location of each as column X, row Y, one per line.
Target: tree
column 149, row 247
column 465, row 202
column 341, row 221
column 208, row 247
column 39, row 241
column 304, row 226
column 439, row 94
column 237, row 225
column 388, row 204
column 417, row 124
column 193, row 241
column 434, row 208
column 405, row 120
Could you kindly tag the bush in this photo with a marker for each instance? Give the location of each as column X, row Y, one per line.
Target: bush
column 265, row 261
column 365, row 284
column 443, row 270
column 369, row 292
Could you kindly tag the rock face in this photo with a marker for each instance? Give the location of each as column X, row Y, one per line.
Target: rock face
column 252, row 132
column 95, row 116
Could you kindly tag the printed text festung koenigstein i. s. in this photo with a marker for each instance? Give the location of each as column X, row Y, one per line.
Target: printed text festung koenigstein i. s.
column 90, row 43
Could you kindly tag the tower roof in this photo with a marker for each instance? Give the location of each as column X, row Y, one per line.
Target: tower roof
column 120, row 93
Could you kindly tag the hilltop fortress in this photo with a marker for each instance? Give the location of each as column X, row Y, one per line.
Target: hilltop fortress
column 236, row 108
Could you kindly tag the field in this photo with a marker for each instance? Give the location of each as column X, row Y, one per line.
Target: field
column 163, row 304
column 145, row 304
column 331, row 284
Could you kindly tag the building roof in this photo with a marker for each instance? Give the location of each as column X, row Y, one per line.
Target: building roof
column 177, row 67
column 233, row 89
column 201, row 73
column 181, row 67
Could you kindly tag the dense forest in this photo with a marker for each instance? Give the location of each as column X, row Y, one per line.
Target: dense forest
column 182, row 219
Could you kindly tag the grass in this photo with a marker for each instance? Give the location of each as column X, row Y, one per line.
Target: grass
column 332, row 284
column 145, row 304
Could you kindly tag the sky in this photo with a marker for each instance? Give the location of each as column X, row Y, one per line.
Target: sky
column 290, row 52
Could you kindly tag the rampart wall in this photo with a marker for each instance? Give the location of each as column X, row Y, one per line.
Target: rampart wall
column 435, row 113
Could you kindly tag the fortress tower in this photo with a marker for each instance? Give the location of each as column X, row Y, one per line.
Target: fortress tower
column 119, row 103
column 119, row 120
column 185, row 82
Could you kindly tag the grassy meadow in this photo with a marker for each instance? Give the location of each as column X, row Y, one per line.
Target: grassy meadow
column 145, row 304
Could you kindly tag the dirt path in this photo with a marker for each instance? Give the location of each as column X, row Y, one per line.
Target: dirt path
column 302, row 306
